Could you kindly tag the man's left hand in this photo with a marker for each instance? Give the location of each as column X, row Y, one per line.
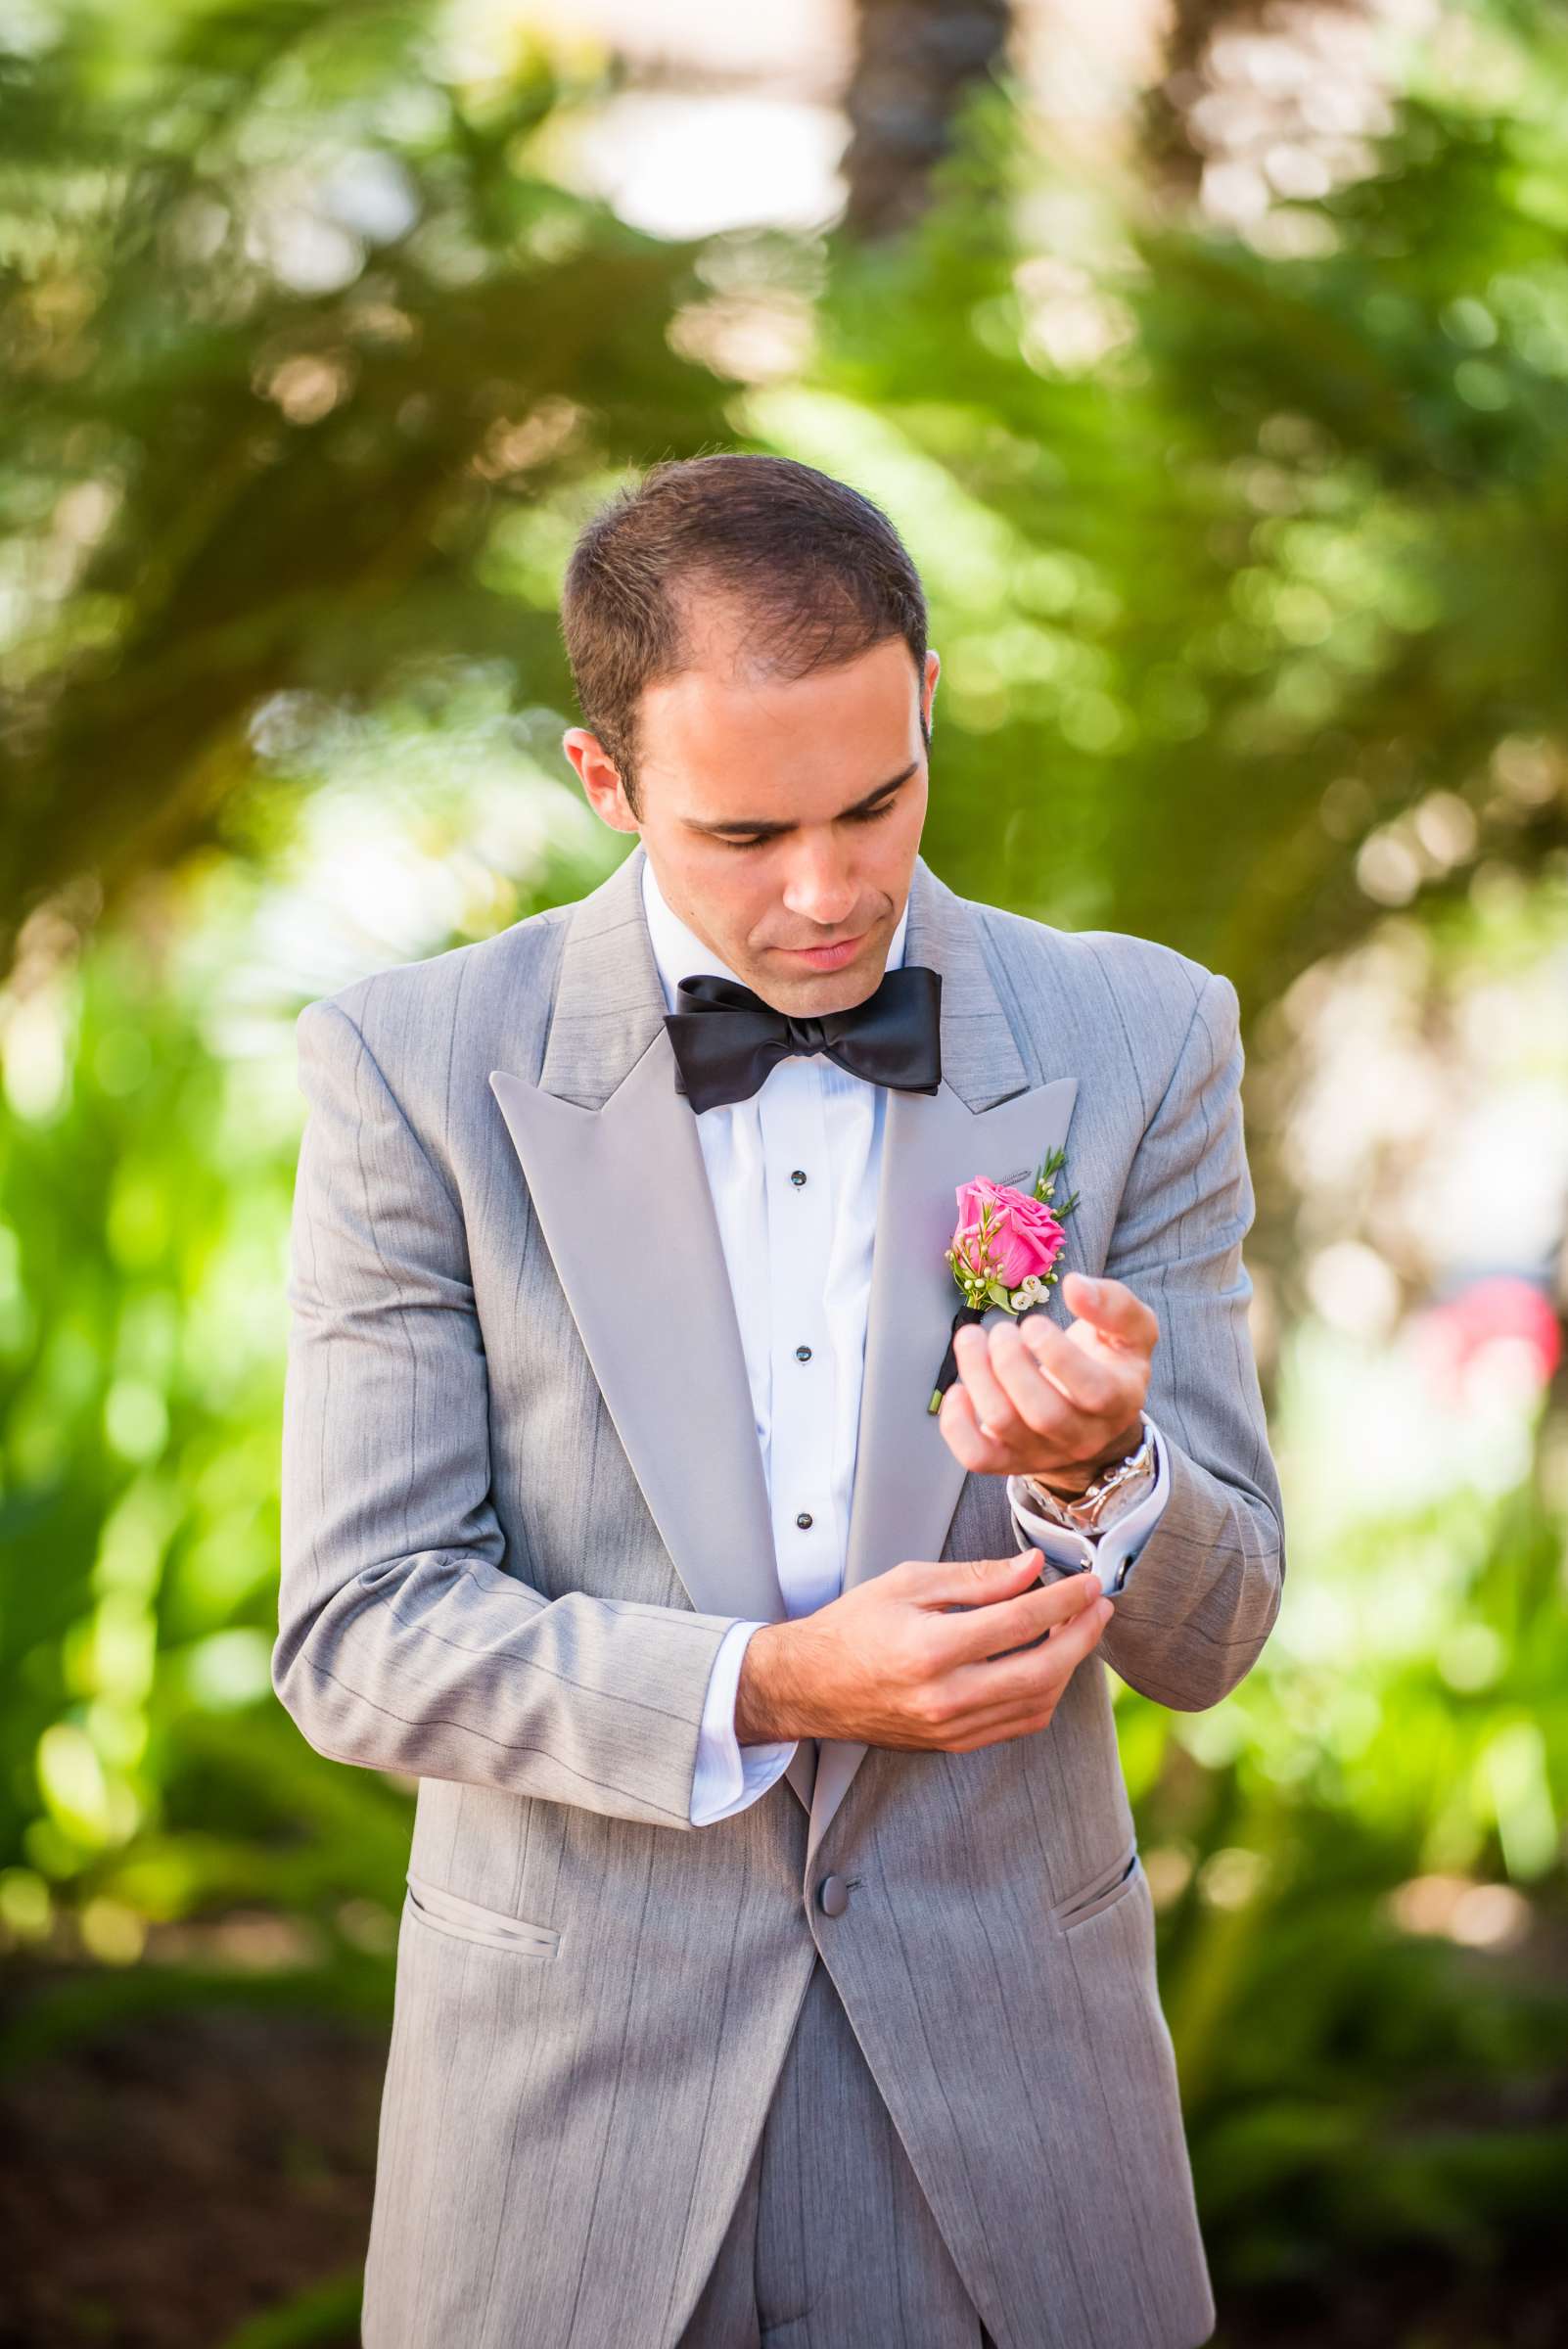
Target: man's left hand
column 1032, row 1399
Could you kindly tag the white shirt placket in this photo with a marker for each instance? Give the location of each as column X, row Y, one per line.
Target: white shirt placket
column 807, row 1537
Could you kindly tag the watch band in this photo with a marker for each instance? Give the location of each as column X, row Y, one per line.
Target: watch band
column 1126, row 1480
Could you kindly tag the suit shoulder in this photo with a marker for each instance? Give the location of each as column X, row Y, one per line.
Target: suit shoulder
column 516, row 966
column 1118, row 961
column 1106, row 999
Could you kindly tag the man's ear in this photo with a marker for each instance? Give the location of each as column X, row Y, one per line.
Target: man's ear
column 600, row 779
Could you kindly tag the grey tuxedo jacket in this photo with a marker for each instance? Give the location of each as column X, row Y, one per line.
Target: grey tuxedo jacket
column 523, row 1500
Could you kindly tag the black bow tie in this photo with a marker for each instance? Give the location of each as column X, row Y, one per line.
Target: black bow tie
column 727, row 1038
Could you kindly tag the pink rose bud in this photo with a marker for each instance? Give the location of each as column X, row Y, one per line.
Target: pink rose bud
column 1023, row 1238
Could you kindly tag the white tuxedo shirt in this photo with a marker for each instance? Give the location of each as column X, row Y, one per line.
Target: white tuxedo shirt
column 794, row 1172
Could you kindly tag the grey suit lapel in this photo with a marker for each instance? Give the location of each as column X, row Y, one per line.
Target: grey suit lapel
column 615, row 1169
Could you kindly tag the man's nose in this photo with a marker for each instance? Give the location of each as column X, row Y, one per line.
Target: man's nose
column 821, row 887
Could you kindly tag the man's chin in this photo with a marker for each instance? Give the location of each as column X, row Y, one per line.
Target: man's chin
column 805, row 994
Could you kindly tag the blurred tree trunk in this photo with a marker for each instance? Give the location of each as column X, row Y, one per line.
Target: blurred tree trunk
column 1167, row 142
column 914, row 62
column 1175, row 154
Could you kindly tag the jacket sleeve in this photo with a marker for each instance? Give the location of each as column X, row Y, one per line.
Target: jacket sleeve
column 1203, row 1592
column 406, row 1641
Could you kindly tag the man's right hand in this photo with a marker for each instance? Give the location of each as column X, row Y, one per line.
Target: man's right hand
column 917, row 1657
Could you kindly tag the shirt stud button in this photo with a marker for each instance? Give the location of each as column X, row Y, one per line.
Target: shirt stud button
column 803, row 1520
column 803, row 1354
column 799, row 1177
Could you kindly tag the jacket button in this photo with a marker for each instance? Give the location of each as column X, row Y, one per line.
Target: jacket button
column 799, row 1177
column 832, row 1896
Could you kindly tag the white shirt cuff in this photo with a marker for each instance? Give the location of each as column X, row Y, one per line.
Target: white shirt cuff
column 729, row 1775
column 1113, row 1551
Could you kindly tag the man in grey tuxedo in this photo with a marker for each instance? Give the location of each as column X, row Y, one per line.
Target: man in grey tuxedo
column 778, row 1962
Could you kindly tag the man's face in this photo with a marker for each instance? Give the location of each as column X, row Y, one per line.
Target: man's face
column 781, row 816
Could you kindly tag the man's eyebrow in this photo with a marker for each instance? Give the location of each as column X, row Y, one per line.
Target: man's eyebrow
column 766, row 828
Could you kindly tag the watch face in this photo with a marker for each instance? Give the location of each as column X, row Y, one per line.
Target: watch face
column 1115, row 1478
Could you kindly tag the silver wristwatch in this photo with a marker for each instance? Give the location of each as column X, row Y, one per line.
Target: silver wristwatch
column 1129, row 1479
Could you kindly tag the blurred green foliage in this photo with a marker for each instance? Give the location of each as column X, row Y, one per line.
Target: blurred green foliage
column 1248, row 571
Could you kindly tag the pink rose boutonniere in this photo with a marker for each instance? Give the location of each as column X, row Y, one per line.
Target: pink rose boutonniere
column 1004, row 1252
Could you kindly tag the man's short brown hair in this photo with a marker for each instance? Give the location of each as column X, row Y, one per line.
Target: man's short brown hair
column 817, row 571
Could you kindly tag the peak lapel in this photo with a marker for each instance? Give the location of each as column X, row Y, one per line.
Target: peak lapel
column 985, row 1119
column 616, row 1172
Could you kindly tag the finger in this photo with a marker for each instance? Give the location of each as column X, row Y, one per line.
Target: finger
column 1026, row 1679
column 1045, row 1408
column 1098, row 1386
column 984, row 1632
column 1113, row 1310
column 964, row 1438
column 969, row 1582
column 994, row 1409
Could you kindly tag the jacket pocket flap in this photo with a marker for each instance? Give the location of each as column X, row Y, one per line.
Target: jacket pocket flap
column 470, row 1921
column 1110, row 1884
